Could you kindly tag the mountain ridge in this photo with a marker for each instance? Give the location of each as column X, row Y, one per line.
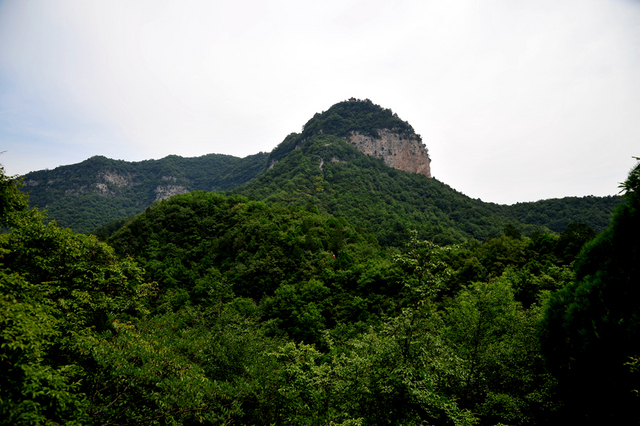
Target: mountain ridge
column 323, row 165
column 98, row 190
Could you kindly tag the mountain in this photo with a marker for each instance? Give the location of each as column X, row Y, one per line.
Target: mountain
column 87, row 195
column 356, row 160
column 372, row 130
column 330, row 164
column 557, row 213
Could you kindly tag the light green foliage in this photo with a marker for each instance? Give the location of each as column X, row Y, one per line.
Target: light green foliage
column 427, row 272
column 372, row 380
column 32, row 390
column 146, row 375
column 500, row 374
column 81, row 274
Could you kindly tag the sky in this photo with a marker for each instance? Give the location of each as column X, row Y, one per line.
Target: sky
column 515, row 100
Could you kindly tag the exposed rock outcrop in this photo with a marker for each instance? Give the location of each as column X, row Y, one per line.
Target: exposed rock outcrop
column 401, row 152
column 164, row 192
column 115, row 178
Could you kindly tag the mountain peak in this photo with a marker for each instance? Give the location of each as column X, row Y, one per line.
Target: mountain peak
column 371, row 129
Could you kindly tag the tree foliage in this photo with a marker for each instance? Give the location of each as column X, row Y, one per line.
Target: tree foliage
column 212, row 308
column 591, row 325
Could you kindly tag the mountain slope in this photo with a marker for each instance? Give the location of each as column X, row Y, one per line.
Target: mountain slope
column 86, row 195
column 331, row 174
column 323, row 166
column 557, row 213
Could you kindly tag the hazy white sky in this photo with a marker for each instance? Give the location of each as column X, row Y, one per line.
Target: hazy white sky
column 516, row 100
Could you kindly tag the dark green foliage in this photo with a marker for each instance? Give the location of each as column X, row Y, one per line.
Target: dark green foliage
column 105, row 231
column 362, row 116
column 11, row 199
column 87, row 195
column 332, row 175
column 572, row 239
column 557, row 213
column 322, row 168
column 336, row 298
column 592, row 326
column 531, row 265
column 77, row 348
column 264, row 314
column 254, row 246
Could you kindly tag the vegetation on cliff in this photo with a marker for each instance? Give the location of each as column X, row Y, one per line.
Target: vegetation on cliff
column 342, row 119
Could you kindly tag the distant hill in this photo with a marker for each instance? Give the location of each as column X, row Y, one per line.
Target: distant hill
column 89, row 194
column 557, row 213
column 356, row 160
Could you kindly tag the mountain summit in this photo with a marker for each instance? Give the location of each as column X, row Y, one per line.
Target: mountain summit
column 371, row 129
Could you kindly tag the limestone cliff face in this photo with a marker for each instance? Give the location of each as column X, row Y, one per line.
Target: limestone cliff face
column 165, row 191
column 401, row 152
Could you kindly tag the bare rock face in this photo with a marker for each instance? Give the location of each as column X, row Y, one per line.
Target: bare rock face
column 115, row 178
column 164, row 192
column 401, row 152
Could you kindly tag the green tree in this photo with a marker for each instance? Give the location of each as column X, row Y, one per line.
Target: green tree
column 500, row 374
column 592, row 326
column 11, row 198
column 33, row 389
column 65, row 303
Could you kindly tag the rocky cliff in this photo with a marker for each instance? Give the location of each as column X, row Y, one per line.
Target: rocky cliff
column 400, row 151
column 371, row 129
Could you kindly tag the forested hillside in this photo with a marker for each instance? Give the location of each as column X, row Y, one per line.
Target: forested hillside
column 87, row 195
column 557, row 213
column 316, row 166
column 218, row 309
column 324, row 288
column 330, row 174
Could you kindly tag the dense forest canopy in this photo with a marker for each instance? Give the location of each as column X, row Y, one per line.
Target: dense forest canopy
column 217, row 309
column 331, row 174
